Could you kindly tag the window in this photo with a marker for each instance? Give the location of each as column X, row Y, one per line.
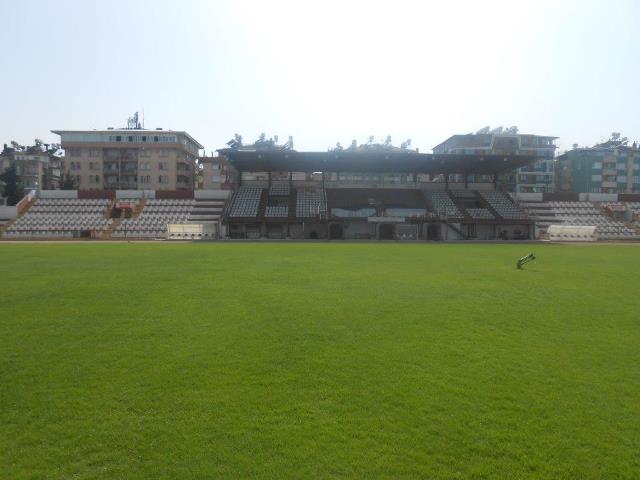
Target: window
column 597, row 166
column 75, row 165
column 94, row 153
column 74, row 152
column 145, row 179
column 145, row 166
column 163, row 179
column 163, row 153
column 622, row 179
column 118, row 138
column 94, row 178
column 155, row 139
column 162, row 165
column 596, row 178
column 94, row 166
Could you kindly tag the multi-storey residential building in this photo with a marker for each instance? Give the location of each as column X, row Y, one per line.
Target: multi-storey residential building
column 600, row 169
column 538, row 177
column 130, row 158
column 216, row 173
column 36, row 166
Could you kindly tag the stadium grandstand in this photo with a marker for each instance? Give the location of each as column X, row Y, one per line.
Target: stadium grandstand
column 370, row 192
column 614, row 216
column 366, row 192
column 122, row 214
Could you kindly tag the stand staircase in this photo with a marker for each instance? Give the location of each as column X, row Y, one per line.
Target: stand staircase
column 487, row 205
column 264, row 200
column 4, row 227
column 460, row 204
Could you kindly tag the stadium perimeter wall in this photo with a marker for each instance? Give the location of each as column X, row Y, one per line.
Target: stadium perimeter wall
column 8, row 212
column 58, row 194
column 211, row 194
column 598, row 197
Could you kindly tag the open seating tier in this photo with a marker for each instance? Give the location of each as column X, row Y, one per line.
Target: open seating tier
column 502, row 204
column 276, row 211
column 480, row 214
column 634, row 207
column 279, row 189
column 46, row 205
column 586, row 214
column 309, row 204
column 574, row 208
column 62, row 218
column 154, row 218
column 246, row 202
column 443, row 205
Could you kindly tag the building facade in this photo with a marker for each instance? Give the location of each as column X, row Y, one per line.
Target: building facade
column 216, row 173
column 127, row 159
column 535, row 178
column 600, row 170
column 36, row 167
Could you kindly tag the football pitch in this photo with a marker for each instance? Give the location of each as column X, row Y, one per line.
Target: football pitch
column 319, row 360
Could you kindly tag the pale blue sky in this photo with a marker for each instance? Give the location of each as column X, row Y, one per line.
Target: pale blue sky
column 322, row 71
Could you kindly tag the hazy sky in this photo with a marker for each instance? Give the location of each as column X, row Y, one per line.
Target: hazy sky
column 322, row 71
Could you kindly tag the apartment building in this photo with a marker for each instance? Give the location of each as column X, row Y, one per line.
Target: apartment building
column 216, row 173
column 600, row 169
column 535, row 178
column 123, row 159
column 37, row 167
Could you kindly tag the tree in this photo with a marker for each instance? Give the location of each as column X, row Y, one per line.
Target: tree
column 615, row 140
column 12, row 188
column 68, row 182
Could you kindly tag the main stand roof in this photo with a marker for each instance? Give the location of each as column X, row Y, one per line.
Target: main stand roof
column 394, row 161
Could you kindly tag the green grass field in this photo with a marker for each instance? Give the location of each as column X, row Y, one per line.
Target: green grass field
column 319, row 361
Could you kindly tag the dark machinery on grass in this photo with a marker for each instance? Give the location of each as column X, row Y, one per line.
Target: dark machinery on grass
column 524, row 260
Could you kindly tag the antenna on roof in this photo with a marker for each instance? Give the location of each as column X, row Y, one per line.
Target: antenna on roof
column 133, row 123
